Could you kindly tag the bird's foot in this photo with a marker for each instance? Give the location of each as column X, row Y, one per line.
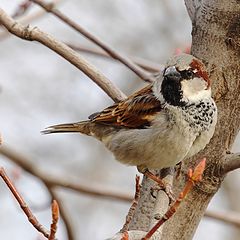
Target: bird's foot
column 162, row 185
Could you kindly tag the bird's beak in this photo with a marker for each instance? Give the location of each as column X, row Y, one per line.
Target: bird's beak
column 172, row 74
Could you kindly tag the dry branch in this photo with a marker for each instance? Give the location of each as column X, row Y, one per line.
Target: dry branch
column 144, row 63
column 31, row 218
column 228, row 217
column 55, row 217
column 28, row 167
column 232, row 163
column 35, row 34
column 27, row 19
column 64, row 213
column 23, row 162
column 106, row 47
column 133, row 206
column 162, row 201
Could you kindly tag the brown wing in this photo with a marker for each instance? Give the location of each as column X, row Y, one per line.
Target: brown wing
column 137, row 111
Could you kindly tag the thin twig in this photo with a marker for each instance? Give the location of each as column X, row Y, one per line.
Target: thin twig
column 55, row 217
column 88, row 190
column 27, row 19
column 144, row 63
column 31, row 218
column 194, row 176
column 27, row 166
column 232, row 162
column 64, row 214
column 162, row 200
column 35, row 34
column 112, row 52
column 228, row 217
column 59, row 182
column 133, row 206
column 22, row 8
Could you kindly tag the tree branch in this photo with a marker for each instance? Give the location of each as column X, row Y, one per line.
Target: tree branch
column 144, row 63
column 192, row 8
column 55, row 217
column 228, row 217
column 132, row 209
column 35, row 34
column 24, row 163
column 31, row 218
column 64, row 214
column 26, row 19
column 232, row 162
column 112, row 52
column 162, row 202
column 28, row 167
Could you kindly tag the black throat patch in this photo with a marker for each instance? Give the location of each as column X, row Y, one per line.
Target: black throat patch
column 172, row 93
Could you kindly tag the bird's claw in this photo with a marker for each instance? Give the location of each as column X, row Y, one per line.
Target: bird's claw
column 167, row 188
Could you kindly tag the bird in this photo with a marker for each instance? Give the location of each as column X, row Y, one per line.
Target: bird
column 161, row 125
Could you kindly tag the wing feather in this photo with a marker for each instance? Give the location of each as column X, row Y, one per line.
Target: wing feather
column 137, row 111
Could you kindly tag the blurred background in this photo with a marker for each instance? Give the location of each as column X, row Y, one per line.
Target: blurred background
column 38, row 88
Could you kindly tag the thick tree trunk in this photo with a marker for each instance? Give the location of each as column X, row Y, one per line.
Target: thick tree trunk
column 216, row 40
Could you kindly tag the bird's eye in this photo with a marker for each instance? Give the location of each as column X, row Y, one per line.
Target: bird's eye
column 187, row 74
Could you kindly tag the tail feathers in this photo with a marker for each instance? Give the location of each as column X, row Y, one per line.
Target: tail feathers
column 82, row 127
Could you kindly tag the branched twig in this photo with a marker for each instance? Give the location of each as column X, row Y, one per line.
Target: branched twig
column 112, row 52
column 144, row 63
column 194, row 176
column 27, row 19
column 232, row 162
column 31, row 218
column 35, row 34
column 133, row 206
column 55, row 217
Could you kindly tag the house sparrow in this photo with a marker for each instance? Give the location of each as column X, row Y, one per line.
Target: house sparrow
column 162, row 124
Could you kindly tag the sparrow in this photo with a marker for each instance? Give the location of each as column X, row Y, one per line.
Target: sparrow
column 164, row 123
